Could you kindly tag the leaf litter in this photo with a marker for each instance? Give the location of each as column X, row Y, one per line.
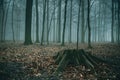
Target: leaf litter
column 35, row 62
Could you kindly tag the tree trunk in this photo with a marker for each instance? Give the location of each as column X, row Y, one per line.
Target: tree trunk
column 78, row 24
column 64, row 24
column 12, row 22
column 89, row 28
column 54, row 24
column 82, row 24
column 44, row 8
column 28, row 22
column 2, row 24
column 112, row 25
column 95, row 19
column 99, row 21
column 59, row 21
column 119, row 21
column 37, row 22
column 47, row 21
column 70, row 32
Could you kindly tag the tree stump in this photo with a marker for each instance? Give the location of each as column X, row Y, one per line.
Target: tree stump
column 75, row 58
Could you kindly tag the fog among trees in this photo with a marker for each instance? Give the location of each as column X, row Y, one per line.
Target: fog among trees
column 59, row 21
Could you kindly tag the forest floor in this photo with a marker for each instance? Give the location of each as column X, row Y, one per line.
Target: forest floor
column 35, row 62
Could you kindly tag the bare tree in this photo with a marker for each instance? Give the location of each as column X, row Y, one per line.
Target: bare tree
column 112, row 23
column 78, row 24
column 37, row 22
column 28, row 21
column 59, row 21
column 2, row 10
column 64, row 24
column 47, row 21
column 70, row 32
column 54, row 23
column 13, row 22
column 82, row 24
column 89, row 28
column 44, row 8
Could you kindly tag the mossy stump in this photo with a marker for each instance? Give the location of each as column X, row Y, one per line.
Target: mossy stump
column 75, row 58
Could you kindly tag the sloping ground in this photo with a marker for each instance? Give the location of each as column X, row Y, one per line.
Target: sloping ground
column 35, row 62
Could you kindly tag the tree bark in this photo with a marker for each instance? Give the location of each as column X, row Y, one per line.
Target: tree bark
column 2, row 26
column 78, row 24
column 119, row 21
column 82, row 24
column 44, row 8
column 64, row 24
column 89, row 28
column 59, row 21
column 70, row 32
column 37, row 22
column 47, row 21
column 54, row 30
column 112, row 25
column 13, row 22
column 28, row 21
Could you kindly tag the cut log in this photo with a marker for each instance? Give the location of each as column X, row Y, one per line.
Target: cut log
column 75, row 58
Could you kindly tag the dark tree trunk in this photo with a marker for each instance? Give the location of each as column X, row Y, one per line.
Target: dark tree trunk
column 112, row 25
column 44, row 8
column 59, row 21
column 64, row 24
column 70, row 32
column 119, row 21
column 2, row 26
column 13, row 22
column 47, row 21
column 78, row 24
column 89, row 28
column 28, row 22
column 82, row 24
column 37, row 22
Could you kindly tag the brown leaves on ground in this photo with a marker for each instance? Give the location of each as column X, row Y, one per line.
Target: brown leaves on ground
column 38, row 62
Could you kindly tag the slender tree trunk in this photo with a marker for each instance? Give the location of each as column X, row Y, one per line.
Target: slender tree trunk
column 44, row 8
column 78, row 24
column 82, row 24
column 12, row 22
column 2, row 27
column 47, row 21
column 1, row 18
column 28, row 22
column 104, row 27
column 99, row 21
column 70, row 34
column 54, row 24
column 89, row 28
column 59, row 20
column 37, row 22
column 112, row 25
column 95, row 24
column 119, row 21
column 64, row 24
